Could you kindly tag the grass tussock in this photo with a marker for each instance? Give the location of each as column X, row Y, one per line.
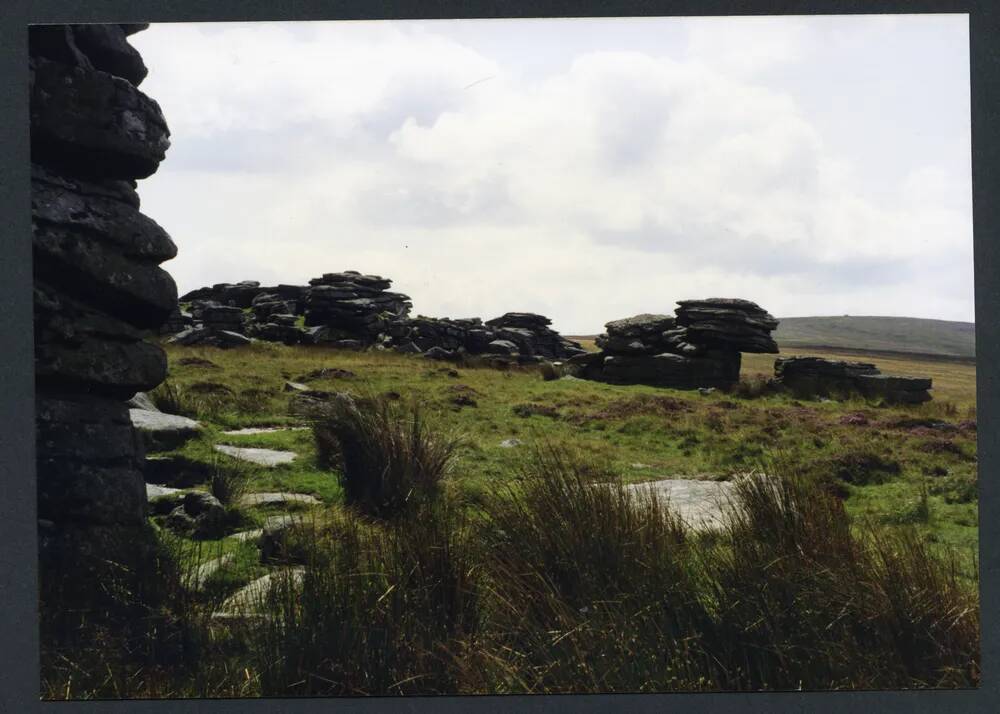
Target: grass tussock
column 389, row 456
column 230, row 480
column 569, row 583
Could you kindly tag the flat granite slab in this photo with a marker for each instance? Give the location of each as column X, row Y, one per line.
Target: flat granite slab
column 700, row 504
column 163, row 431
column 204, row 571
column 246, row 601
column 262, row 457
column 277, row 498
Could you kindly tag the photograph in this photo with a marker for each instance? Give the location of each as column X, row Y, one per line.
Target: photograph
column 504, row 356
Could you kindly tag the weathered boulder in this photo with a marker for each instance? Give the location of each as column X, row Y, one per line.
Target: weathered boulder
column 108, row 50
column 728, row 323
column 699, row 348
column 816, row 376
column 203, row 336
column 162, row 432
column 93, row 123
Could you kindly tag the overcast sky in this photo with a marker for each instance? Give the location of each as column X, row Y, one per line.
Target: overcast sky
column 584, row 169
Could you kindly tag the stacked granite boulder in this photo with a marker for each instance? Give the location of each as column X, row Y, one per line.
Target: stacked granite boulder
column 533, row 336
column 98, row 287
column 699, row 347
column 216, row 326
column 514, row 337
column 816, row 376
column 420, row 334
column 278, row 327
column 349, row 309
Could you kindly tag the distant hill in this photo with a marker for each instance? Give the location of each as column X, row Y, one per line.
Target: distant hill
column 910, row 335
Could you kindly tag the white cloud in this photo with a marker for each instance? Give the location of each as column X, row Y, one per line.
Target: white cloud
column 615, row 184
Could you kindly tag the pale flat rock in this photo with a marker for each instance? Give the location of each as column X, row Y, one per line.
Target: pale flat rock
column 277, row 499
column 244, row 536
column 250, row 430
column 700, row 504
column 281, row 520
column 262, row 457
column 247, row 601
column 204, row 571
column 154, row 491
column 141, row 400
column 163, row 431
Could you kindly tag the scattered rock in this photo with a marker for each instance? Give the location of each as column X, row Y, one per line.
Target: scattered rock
column 141, row 400
column 510, row 443
column 249, row 601
column 206, row 570
column 163, row 432
column 262, row 457
column 277, row 499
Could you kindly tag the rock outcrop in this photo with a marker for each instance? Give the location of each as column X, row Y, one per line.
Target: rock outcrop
column 351, row 307
column 816, row 376
column 533, row 336
column 356, row 311
column 699, row 347
column 99, row 290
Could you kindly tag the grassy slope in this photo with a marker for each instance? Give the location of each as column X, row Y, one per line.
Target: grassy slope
column 641, row 432
column 891, row 334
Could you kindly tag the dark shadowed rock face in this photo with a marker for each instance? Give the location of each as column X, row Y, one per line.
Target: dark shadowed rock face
column 98, row 285
column 816, row 376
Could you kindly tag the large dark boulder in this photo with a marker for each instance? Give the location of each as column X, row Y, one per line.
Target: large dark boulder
column 93, row 124
column 817, row 376
column 89, row 461
column 728, row 323
column 108, row 50
column 714, row 369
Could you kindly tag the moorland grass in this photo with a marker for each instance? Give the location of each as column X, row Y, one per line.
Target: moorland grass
column 524, row 574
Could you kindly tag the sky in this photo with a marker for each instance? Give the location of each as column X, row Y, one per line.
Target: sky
column 584, row 169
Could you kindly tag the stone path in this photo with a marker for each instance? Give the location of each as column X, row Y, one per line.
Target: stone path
column 245, row 601
column 249, row 430
column 700, row 504
column 204, row 571
column 263, row 457
column 277, row 499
